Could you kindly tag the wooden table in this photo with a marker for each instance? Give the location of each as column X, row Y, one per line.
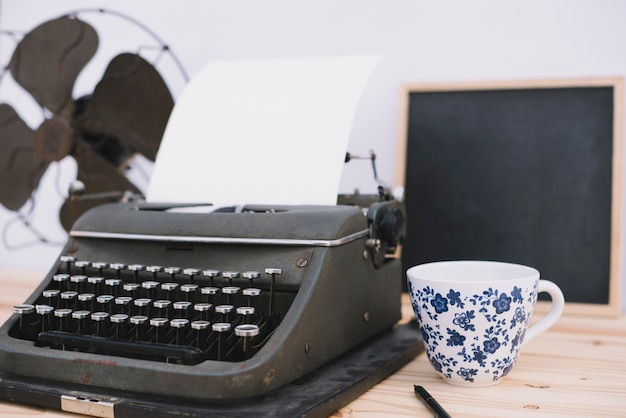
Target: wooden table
column 576, row 369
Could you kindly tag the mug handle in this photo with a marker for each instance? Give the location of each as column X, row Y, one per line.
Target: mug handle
column 558, row 302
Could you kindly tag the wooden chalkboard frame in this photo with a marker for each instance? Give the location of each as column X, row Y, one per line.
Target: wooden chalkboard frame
column 613, row 307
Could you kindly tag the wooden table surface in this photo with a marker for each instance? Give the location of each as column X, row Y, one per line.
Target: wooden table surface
column 576, row 369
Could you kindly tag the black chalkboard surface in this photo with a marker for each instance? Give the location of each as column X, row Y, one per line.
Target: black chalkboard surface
column 518, row 172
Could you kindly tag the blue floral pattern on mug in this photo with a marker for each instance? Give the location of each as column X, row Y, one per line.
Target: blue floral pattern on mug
column 472, row 335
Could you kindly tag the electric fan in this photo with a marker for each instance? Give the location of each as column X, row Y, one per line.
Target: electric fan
column 124, row 116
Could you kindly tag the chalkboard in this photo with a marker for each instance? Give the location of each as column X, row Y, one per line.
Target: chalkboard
column 527, row 172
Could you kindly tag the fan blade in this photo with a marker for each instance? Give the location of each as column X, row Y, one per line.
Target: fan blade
column 48, row 59
column 20, row 167
column 99, row 177
column 131, row 103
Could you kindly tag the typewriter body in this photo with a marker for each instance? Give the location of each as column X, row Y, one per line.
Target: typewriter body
column 209, row 306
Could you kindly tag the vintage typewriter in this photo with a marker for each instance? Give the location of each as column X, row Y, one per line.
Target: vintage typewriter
column 226, row 305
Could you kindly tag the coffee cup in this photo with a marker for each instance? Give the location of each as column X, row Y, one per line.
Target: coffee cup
column 474, row 316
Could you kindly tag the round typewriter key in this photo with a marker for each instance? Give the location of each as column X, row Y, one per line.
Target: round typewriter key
column 86, row 300
column 140, row 322
column 144, row 305
column 168, row 287
column 69, row 297
column 44, row 311
column 78, row 281
column 119, row 320
column 99, row 265
column 209, row 290
column 251, row 275
column 80, row 317
column 172, row 271
column 115, row 285
column 200, row 328
column 61, row 279
column 221, row 328
column 51, row 294
column 82, row 265
column 224, row 310
column 230, row 275
column 136, row 267
column 151, row 286
column 245, row 311
column 203, row 309
column 246, row 331
column 155, row 270
column 180, row 324
column 99, row 318
column 159, row 324
column 96, row 283
column 68, row 260
column 211, row 274
column 230, row 290
column 189, row 287
column 131, row 288
column 118, row 267
column 191, row 272
column 181, row 308
column 23, row 310
column 124, row 303
column 63, row 315
column 200, row 325
column 163, row 306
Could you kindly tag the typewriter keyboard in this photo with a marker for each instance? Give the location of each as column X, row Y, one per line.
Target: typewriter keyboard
column 168, row 314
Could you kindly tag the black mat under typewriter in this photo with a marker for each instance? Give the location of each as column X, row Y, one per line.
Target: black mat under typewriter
column 208, row 306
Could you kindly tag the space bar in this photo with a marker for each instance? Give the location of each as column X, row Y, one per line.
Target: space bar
column 186, row 354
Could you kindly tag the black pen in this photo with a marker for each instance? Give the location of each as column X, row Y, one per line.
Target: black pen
column 431, row 402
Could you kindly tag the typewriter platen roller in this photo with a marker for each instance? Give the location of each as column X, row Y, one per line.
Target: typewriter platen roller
column 224, row 305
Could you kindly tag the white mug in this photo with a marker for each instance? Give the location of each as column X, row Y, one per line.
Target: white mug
column 474, row 315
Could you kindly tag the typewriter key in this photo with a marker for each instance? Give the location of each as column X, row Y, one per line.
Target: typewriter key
column 155, row 270
column 203, row 309
column 143, row 304
column 80, row 317
column 251, row 275
column 61, row 280
column 189, row 289
column 131, row 288
column 96, row 283
column 211, row 274
column 159, row 324
column 230, row 275
column 82, row 265
column 23, row 310
column 246, row 331
column 69, row 297
column 78, row 281
column 63, row 315
column 191, row 273
column 44, row 311
column 119, row 320
column 136, row 268
column 99, row 318
column 52, row 295
column 99, row 266
column 162, row 306
column 180, row 324
column 181, row 308
column 68, row 260
column 86, row 300
column 140, row 322
column 221, row 328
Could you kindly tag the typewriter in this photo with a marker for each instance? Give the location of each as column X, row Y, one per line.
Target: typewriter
column 152, row 299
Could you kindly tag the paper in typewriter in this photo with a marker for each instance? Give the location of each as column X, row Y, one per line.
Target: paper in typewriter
column 261, row 132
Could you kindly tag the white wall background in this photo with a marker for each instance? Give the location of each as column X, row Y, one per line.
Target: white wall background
column 420, row 41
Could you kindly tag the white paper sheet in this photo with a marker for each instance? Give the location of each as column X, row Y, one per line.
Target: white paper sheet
column 261, row 132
